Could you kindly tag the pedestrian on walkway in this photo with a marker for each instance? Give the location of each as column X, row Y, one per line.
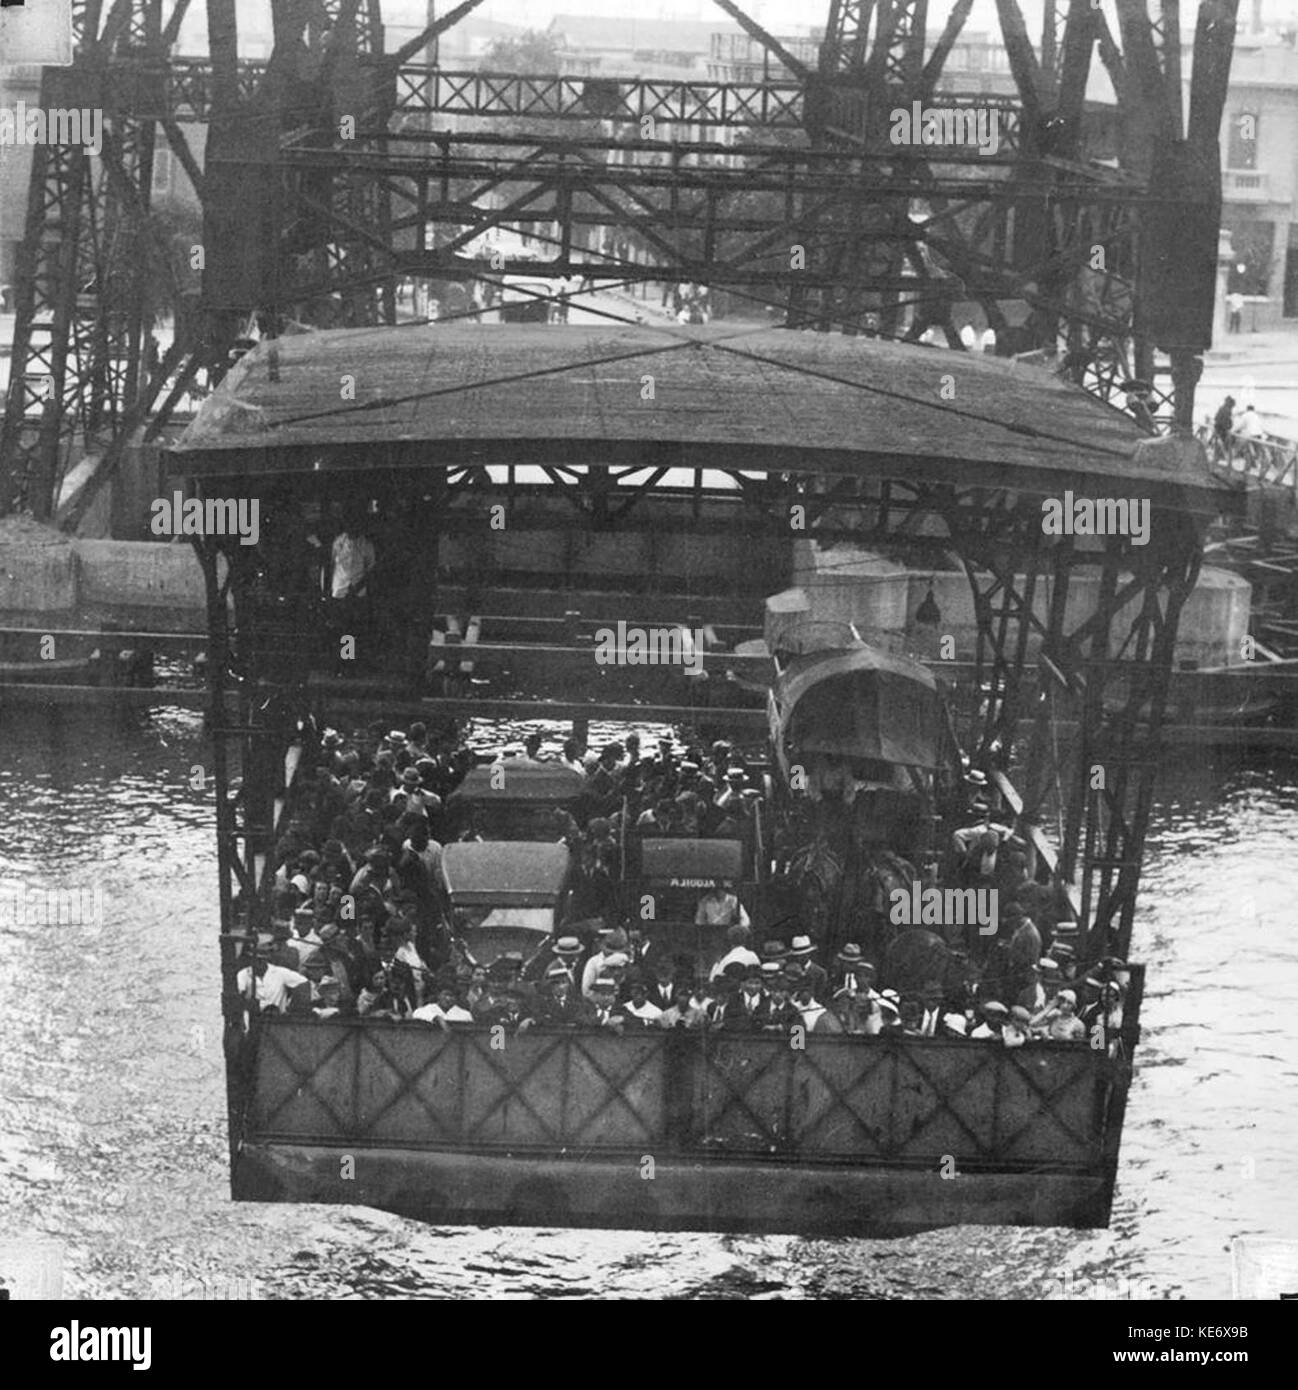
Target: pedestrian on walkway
column 1235, row 304
column 1223, row 424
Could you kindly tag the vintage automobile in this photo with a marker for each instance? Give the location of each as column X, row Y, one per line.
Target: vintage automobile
column 505, row 896
column 516, row 801
column 674, row 874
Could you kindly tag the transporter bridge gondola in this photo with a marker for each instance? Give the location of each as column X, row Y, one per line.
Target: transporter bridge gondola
column 535, row 458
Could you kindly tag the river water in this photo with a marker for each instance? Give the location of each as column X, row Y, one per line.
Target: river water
column 112, row 1101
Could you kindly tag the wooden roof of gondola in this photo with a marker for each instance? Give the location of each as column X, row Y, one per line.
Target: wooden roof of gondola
column 765, row 400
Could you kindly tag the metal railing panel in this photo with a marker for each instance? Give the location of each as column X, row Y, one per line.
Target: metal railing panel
column 838, row 1099
column 944, row 1100
column 1049, row 1106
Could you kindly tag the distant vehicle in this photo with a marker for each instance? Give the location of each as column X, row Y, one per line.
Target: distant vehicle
column 505, row 896
column 515, row 800
column 526, row 301
column 675, row 874
column 853, row 717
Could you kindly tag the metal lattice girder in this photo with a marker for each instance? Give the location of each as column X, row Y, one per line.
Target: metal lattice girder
column 78, row 334
column 423, row 90
column 696, row 214
column 863, row 1100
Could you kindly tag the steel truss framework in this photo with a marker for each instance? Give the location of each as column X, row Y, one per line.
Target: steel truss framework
column 889, row 246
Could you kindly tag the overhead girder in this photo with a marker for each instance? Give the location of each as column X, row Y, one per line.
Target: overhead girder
column 869, row 242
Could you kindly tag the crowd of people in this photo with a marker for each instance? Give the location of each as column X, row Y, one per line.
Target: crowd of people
column 362, row 926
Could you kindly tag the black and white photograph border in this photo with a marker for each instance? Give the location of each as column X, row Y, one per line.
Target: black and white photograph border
column 648, row 657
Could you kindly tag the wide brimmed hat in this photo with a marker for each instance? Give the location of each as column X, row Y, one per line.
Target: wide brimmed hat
column 801, row 946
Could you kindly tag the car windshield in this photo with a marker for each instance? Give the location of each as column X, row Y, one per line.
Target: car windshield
column 537, row 919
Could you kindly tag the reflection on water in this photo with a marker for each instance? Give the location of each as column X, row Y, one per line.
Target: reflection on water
column 112, row 1089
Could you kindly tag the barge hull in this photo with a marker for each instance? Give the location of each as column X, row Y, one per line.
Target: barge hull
column 664, row 1130
column 738, row 1197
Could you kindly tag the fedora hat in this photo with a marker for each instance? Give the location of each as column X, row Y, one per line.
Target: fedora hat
column 801, row 946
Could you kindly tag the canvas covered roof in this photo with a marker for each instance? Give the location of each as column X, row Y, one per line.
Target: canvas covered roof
column 768, row 400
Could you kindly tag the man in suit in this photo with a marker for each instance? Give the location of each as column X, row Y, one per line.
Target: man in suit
column 745, row 1015
column 802, row 963
column 560, row 1004
column 600, row 1010
column 777, row 1013
column 510, row 1009
column 813, row 1015
column 853, row 972
column 933, row 1018
column 662, row 989
column 563, row 950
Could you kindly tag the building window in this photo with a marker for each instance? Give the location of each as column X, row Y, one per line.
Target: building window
column 1241, row 140
column 1253, row 244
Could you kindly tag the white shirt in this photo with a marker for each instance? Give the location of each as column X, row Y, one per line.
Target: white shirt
column 650, row 1013
column 407, row 954
column 353, row 558
column 593, row 969
column 723, row 911
column 305, row 948
column 430, row 1013
column 736, row 953
column 273, row 987
column 430, row 856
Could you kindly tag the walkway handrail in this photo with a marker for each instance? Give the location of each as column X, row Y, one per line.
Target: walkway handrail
column 1272, row 461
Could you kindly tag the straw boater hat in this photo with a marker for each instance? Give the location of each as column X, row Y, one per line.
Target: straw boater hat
column 993, row 1008
column 397, row 737
column 567, row 946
